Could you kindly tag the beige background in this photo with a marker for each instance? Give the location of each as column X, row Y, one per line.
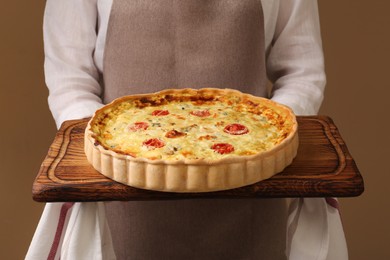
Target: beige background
column 356, row 44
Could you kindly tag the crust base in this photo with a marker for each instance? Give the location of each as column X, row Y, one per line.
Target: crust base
column 187, row 177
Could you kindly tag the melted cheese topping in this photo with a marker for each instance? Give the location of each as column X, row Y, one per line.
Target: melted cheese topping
column 188, row 130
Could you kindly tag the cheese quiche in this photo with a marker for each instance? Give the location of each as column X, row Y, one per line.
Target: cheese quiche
column 187, row 140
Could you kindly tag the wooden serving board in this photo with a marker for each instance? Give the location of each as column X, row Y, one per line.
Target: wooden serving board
column 322, row 168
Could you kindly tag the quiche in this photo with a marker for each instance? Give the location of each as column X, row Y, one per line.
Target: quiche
column 187, row 140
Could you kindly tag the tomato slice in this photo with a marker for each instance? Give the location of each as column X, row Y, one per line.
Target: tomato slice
column 223, row 148
column 160, row 113
column 236, row 129
column 153, row 143
column 137, row 126
column 200, row 113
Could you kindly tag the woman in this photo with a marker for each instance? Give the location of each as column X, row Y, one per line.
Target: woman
column 98, row 50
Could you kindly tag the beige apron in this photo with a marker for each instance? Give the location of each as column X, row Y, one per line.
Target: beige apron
column 158, row 44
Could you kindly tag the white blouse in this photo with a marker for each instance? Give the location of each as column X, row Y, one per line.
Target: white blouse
column 74, row 40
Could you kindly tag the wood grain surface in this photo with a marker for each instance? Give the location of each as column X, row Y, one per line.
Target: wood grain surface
column 322, row 168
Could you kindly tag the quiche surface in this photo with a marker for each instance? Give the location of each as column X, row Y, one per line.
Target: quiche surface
column 186, row 140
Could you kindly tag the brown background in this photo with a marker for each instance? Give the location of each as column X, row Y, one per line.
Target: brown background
column 356, row 44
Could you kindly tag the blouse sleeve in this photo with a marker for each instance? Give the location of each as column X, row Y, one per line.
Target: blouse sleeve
column 295, row 63
column 71, row 75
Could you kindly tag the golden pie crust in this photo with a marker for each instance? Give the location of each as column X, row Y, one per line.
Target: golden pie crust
column 243, row 139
